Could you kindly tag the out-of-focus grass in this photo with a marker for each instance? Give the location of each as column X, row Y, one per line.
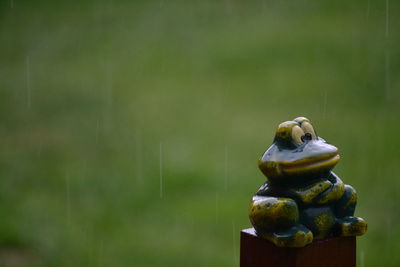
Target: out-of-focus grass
column 95, row 97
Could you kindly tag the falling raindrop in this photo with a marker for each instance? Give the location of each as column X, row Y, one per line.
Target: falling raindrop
column 226, row 168
column 216, row 207
column 28, row 81
column 362, row 258
column 100, row 253
column 325, row 103
column 387, row 55
column 138, row 158
column 389, row 228
column 110, row 88
column 234, row 243
column 108, row 101
column 39, row 150
column 387, row 74
column 161, row 172
column 387, row 19
column 97, row 131
column 68, row 198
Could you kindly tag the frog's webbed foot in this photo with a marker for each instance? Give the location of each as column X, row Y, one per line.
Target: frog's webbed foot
column 296, row 236
column 351, row 226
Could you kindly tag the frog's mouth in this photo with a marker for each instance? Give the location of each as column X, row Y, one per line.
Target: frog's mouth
column 312, row 157
column 306, row 165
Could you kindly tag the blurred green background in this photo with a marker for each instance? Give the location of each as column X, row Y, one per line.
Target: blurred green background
column 130, row 131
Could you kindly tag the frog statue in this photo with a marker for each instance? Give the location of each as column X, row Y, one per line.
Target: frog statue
column 302, row 199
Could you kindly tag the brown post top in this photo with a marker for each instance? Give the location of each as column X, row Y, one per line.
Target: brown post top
column 258, row 252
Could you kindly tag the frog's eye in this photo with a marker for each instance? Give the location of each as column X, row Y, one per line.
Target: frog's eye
column 308, row 130
column 297, row 133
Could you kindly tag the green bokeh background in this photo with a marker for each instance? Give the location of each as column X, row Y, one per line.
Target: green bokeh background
column 130, row 131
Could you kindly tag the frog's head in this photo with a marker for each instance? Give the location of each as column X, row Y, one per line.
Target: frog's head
column 297, row 153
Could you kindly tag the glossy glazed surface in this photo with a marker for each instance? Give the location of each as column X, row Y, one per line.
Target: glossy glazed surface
column 302, row 198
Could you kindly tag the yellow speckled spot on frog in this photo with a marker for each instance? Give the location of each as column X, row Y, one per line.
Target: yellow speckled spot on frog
column 270, row 167
column 301, row 238
column 267, row 212
column 334, row 194
column 324, row 223
column 352, row 228
column 308, row 194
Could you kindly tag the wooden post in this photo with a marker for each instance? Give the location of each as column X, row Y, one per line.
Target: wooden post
column 257, row 252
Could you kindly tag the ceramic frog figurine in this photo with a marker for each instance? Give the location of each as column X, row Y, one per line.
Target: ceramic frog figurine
column 302, row 199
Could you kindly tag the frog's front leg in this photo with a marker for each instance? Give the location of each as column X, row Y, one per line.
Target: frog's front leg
column 277, row 219
column 347, row 224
